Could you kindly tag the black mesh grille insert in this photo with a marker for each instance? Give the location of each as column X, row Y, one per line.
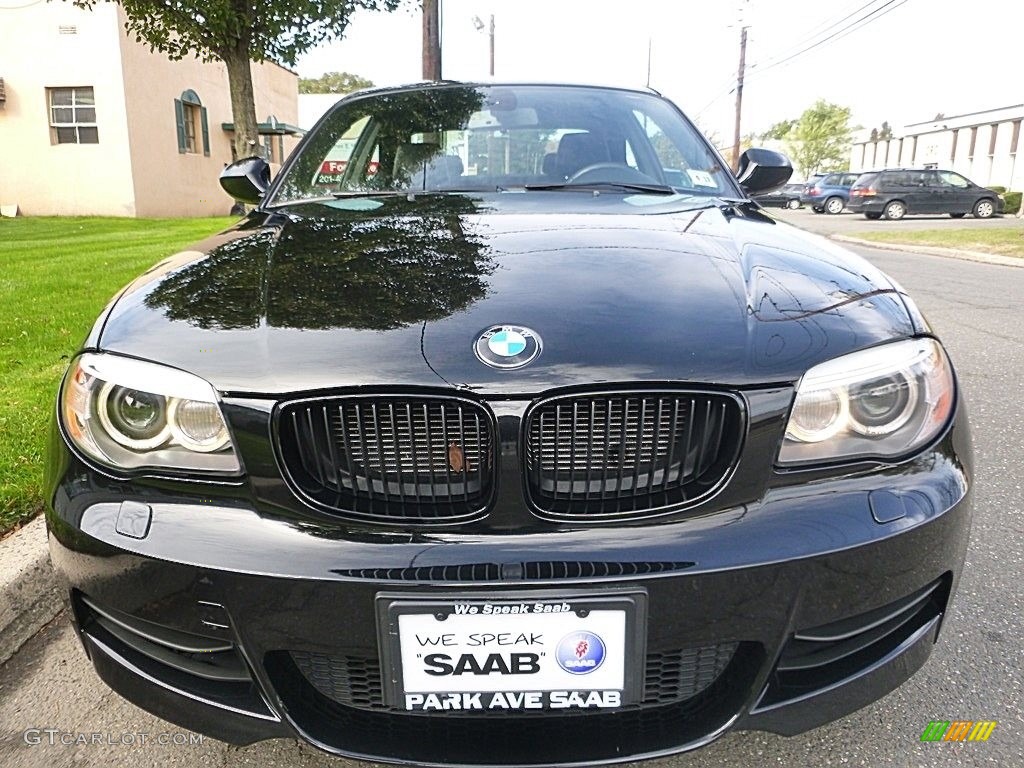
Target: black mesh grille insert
column 669, row 677
column 615, row 455
column 415, row 459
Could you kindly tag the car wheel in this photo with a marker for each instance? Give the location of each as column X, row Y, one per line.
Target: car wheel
column 895, row 210
column 872, row 216
column 983, row 209
column 957, row 215
column 834, row 205
column 793, row 205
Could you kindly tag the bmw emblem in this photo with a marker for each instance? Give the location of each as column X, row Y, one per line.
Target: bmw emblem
column 579, row 653
column 507, row 346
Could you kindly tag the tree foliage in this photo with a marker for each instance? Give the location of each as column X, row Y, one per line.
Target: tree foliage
column 334, row 82
column 820, row 140
column 236, row 33
column 779, row 130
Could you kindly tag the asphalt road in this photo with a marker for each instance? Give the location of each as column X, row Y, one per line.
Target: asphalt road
column 976, row 671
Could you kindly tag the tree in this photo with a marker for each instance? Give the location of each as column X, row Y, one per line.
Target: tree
column 779, row 130
column 237, row 33
column 820, row 139
column 333, row 82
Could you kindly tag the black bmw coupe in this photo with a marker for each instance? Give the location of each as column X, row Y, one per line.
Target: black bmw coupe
column 507, row 430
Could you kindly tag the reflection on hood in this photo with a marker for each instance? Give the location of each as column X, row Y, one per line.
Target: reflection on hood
column 333, row 270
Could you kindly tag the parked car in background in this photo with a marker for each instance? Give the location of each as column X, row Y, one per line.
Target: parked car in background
column 786, row 197
column 896, row 192
column 829, row 193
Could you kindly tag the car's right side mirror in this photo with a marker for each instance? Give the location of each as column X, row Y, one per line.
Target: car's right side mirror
column 246, row 180
column 763, row 170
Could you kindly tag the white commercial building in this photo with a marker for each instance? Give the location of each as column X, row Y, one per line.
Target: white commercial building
column 983, row 146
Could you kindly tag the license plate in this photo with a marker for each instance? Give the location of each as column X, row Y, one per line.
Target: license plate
column 507, row 653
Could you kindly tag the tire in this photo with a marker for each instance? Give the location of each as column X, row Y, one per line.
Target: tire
column 873, row 216
column 984, row 209
column 793, row 204
column 895, row 210
column 834, row 205
column 957, row 215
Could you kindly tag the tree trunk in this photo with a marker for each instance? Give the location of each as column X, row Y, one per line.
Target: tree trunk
column 243, row 106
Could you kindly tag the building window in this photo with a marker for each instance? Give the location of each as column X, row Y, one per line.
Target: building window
column 974, row 142
column 72, row 116
column 992, row 139
column 191, row 122
column 952, row 151
column 1015, row 139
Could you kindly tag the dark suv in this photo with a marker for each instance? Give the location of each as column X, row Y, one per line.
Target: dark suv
column 895, row 192
column 829, row 194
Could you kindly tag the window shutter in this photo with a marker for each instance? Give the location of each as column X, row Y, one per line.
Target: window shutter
column 206, row 132
column 179, row 119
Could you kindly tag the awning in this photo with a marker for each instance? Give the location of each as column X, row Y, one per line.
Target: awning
column 272, row 127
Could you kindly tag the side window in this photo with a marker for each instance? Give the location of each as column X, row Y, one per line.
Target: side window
column 951, row 179
column 849, row 179
column 191, row 123
column 681, row 164
column 333, row 166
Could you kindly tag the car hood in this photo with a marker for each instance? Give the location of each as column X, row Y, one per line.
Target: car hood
column 325, row 297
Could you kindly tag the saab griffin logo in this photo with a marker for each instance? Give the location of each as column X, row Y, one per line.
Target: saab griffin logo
column 959, row 730
column 580, row 652
column 507, row 346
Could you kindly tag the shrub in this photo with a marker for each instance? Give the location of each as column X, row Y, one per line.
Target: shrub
column 998, row 190
column 1012, row 202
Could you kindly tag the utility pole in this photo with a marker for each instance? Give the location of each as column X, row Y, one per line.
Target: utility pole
column 431, row 39
column 492, row 45
column 739, row 99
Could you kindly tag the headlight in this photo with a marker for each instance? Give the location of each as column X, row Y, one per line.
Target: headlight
column 883, row 402
column 130, row 414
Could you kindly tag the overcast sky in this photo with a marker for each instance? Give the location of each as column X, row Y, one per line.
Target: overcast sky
column 913, row 59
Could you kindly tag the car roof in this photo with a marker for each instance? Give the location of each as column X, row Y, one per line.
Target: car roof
column 430, row 84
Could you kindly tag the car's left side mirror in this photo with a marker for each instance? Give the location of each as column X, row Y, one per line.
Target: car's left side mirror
column 246, row 180
column 763, row 170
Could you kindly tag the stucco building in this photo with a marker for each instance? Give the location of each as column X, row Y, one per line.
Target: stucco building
column 92, row 122
column 983, row 146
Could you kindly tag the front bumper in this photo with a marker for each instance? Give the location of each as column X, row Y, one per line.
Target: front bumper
column 779, row 615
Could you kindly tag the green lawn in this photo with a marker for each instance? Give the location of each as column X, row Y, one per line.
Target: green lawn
column 56, row 274
column 1005, row 241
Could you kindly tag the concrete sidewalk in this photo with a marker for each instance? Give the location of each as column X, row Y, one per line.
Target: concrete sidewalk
column 30, row 593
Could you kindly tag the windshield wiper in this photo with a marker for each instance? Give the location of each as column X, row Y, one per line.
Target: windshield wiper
column 597, row 186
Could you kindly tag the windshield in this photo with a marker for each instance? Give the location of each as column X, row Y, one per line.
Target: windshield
column 493, row 138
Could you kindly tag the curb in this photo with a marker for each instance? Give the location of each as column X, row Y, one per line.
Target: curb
column 931, row 250
column 30, row 593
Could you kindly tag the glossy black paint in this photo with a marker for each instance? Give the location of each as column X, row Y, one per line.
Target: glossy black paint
column 763, row 170
column 312, row 297
column 627, row 292
column 247, row 180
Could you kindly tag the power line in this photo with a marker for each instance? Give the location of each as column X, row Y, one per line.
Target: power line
column 820, row 30
column 854, row 26
column 860, row 23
